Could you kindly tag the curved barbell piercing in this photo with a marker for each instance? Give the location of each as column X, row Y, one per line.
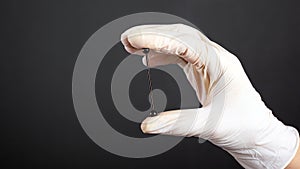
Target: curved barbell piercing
column 153, row 112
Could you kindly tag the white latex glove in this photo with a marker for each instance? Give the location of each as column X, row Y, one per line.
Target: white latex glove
column 246, row 128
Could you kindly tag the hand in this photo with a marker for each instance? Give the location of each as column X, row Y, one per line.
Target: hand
column 246, row 128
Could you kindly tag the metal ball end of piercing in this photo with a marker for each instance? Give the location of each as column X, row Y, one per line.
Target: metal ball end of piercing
column 146, row 50
column 153, row 113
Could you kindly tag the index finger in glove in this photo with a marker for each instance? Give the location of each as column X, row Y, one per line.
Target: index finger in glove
column 168, row 39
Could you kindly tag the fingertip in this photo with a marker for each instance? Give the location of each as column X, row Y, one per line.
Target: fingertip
column 143, row 127
column 128, row 47
column 149, row 125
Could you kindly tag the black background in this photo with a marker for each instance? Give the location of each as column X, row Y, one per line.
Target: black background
column 40, row 41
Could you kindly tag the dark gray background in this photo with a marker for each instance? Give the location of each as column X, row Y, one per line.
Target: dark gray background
column 40, row 41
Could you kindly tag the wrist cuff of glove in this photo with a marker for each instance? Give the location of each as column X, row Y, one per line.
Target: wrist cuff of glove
column 295, row 150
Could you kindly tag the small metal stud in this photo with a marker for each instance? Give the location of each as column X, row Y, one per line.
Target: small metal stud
column 153, row 113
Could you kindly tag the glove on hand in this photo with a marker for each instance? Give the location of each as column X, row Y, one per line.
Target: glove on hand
column 246, row 128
